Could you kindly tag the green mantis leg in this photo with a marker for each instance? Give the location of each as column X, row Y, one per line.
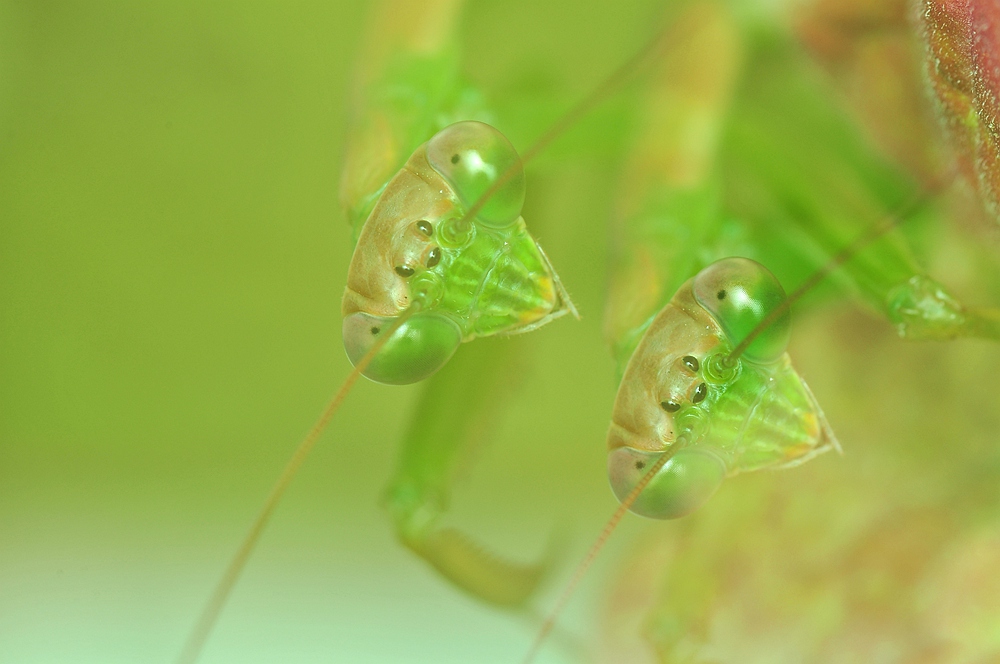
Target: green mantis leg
column 454, row 413
column 783, row 569
column 670, row 219
column 407, row 86
column 802, row 172
column 405, row 190
column 846, row 558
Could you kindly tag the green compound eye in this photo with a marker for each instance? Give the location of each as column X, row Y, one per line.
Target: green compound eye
column 420, row 346
column 739, row 293
column 472, row 156
column 683, row 485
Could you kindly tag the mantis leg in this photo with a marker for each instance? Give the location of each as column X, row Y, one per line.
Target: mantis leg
column 453, row 415
column 802, row 172
column 407, row 87
column 670, row 219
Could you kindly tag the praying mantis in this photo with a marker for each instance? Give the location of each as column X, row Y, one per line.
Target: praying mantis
column 694, row 601
column 452, row 407
column 672, row 360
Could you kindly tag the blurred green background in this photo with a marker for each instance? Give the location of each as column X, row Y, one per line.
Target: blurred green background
column 172, row 254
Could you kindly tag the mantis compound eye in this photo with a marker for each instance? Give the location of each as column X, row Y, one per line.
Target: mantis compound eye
column 418, row 348
column 739, row 293
column 683, row 485
column 473, row 156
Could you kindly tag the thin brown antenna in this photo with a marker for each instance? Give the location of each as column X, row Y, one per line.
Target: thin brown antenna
column 210, row 614
column 596, row 547
column 842, row 256
column 571, row 117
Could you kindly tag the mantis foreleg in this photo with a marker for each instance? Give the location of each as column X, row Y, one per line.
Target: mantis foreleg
column 454, row 414
column 801, row 172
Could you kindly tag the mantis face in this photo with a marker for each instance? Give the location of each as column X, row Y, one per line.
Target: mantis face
column 470, row 275
column 681, row 394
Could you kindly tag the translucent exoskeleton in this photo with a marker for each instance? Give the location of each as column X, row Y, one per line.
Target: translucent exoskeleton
column 471, row 277
column 442, row 257
column 736, row 415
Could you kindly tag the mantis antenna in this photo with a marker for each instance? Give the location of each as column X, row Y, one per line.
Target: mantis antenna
column 213, row 608
column 842, row 256
column 775, row 314
column 210, row 614
column 595, row 548
column 571, row 117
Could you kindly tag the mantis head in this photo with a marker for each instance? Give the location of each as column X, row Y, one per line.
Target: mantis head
column 452, row 212
column 681, row 393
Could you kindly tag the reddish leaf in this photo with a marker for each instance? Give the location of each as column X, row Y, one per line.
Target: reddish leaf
column 962, row 38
